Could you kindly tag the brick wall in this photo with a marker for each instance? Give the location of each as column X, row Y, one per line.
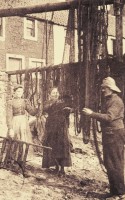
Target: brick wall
column 16, row 44
column 14, row 38
column 3, row 89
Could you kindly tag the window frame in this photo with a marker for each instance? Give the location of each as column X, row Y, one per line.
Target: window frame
column 36, row 60
column 34, row 38
column 114, row 50
column 14, row 56
column 2, row 38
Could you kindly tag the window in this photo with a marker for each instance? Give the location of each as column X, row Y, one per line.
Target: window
column 30, row 29
column 2, row 29
column 14, row 62
column 34, row 62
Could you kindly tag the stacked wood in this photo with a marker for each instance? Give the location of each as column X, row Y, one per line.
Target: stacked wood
column 13, row 154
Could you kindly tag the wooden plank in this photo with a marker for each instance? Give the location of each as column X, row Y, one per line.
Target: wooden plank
column 2, row 151
column 21, row 11
column 36, row 145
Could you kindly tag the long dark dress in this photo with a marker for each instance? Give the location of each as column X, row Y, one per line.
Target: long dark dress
column 56, row 135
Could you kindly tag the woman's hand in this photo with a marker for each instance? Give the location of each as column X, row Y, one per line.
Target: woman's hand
column 87, row 111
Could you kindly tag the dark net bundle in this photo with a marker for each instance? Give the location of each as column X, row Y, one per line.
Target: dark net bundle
column 92, row 29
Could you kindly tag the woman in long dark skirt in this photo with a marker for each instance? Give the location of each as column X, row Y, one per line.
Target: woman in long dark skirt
column 56, row 134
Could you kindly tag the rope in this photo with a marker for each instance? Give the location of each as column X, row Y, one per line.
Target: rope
column 96, row 144
column 32, row 97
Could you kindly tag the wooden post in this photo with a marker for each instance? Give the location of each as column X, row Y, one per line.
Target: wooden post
column 84, row 73
column 118, row 8
column 84, row 58
column 72, row 32
column 46, row 43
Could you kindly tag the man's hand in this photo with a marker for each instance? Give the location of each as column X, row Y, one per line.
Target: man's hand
column 39, row 102
column 87, row 111
column 67, row 108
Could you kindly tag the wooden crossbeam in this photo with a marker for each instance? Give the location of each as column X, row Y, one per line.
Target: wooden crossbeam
column 39, row 69
column 48, row 7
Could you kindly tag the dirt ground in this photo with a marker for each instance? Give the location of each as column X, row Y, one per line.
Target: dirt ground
column 45, row 185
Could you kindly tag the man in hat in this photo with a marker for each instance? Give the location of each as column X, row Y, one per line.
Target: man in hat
column 111, row 119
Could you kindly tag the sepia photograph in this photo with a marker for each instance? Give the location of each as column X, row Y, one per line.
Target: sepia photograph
column 62, row 99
